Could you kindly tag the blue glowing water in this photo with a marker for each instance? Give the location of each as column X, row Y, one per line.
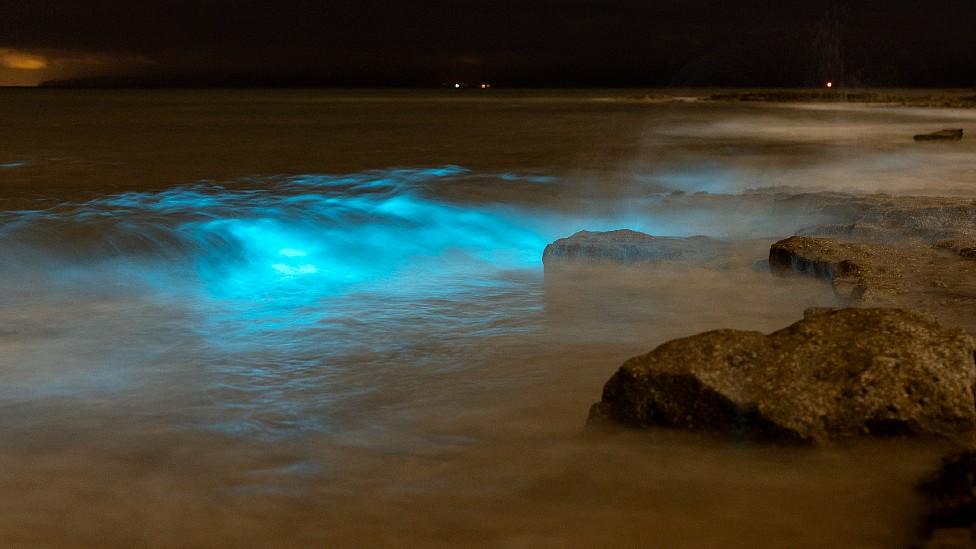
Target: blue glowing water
column 326, row 234
column 287, row 284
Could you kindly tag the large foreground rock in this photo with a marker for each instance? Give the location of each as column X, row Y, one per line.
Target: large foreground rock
column 835, row 374
column 939, row 278
column 628, row 247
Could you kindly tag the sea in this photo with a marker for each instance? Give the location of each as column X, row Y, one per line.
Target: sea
column 320, row 318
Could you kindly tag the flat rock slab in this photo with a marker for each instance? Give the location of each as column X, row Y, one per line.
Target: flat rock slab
column 888, row 219
column 836, row 374
column 941, row 135
column 629, row 248
column 939, row 278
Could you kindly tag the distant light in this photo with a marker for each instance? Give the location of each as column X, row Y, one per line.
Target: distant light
column 456, row 86
column 830, row 84
column 483, row 86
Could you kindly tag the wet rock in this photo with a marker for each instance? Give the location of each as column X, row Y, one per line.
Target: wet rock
column 938, row 278
column 836, row 374
column 629, row 247
column 925, row 219
column 941, row 135
column 850, row 268
column 963, row 247
column 951, row 499
column 905, row 218
column 859, row 232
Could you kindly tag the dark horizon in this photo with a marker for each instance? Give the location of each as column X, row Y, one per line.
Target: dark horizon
column 516, row 43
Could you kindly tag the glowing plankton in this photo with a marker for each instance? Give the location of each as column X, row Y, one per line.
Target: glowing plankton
column 288, row 270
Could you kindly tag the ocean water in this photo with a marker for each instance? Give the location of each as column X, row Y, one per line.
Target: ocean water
column 311, row 318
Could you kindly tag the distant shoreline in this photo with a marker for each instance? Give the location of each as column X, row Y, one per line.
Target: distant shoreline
column 940, row 100
column 960, row 98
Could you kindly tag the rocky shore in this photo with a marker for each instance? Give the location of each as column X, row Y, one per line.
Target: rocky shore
column 958, row 99
column 961, row 100
column 898, row 360
column 834, row 375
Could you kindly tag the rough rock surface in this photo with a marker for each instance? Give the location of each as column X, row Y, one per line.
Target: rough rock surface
column 951, row 498
column 629, row 247
column 835, row 374
column 887, row 220
column 939, row 278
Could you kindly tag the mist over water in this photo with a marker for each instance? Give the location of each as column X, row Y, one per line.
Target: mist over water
column 347, row 337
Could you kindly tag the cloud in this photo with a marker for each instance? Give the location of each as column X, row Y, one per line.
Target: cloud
column 18, row 60
column 29, row 67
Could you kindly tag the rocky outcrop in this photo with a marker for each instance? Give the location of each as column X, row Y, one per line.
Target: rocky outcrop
column 963, row 247
column 890, row 220
column 941, row 135
column 852, row 269
column 939, row 278
column 835, row 374
column 629, row 247
column 951, row 498
column 940, row 100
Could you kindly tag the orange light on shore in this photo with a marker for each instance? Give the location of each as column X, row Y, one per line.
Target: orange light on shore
column 830, row 84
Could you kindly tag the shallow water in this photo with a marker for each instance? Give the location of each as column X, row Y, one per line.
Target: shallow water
column 307, row 318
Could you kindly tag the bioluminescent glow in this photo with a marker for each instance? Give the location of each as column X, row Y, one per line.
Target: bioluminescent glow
column 336, row 231
column 12, row 165
column 298, row 274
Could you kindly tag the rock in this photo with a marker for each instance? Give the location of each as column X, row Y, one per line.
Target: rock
column 949, row 538
column 938, row 100
column 836, row 374
column 857, row 231
column 906, row 218
column 941, row 135
column 951, row 498
column 628, row 247
column 965, row 248
column 848, row 267
column 938, row 278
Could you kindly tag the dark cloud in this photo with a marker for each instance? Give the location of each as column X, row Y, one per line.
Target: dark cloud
column 665, row 42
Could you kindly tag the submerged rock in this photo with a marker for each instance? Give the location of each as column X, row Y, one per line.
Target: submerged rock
column 941, row 135
column 629, row 247
column 835, row 374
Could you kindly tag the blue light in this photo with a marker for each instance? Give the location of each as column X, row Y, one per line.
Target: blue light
column 297, row 240
column 285, row 281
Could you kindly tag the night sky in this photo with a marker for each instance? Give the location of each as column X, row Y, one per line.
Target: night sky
column 507, row 42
